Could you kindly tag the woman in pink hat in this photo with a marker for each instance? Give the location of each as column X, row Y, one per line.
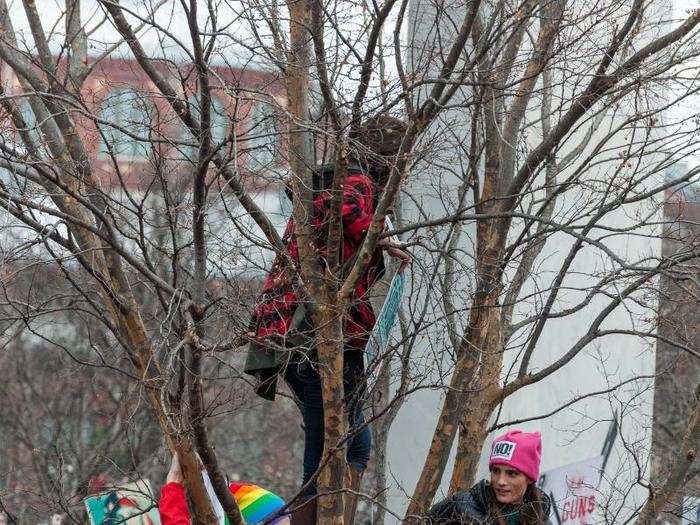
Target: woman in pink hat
column 510, row 496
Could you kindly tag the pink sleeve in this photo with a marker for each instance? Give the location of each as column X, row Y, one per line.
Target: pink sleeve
column 173, row 505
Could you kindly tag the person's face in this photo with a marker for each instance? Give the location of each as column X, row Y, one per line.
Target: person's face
column 508, row 484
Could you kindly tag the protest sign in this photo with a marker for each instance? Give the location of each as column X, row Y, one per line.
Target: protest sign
column 574, row 491
column 379, row 338
column 128, row 504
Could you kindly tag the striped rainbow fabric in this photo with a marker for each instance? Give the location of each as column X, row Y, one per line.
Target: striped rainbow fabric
column 257, row 504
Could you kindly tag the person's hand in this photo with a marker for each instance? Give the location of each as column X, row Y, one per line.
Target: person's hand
column 402, row 255
column 397, row 252
column 175, row 472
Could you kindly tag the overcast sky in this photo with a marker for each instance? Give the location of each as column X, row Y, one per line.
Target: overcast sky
column 103, row 34
column 230, row 12
column 170, row 16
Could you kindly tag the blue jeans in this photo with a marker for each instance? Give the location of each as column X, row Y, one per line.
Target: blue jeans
column 305, row 383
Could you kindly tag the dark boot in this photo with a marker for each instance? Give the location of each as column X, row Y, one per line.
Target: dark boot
column 305, row 514
column 353, row 479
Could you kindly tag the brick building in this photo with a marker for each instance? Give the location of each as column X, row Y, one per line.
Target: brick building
column 122, row 116
column 138, row 146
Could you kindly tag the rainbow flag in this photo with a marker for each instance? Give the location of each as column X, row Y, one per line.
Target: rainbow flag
column 257, row 504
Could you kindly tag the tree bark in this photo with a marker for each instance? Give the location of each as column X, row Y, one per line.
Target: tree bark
column 477, row 409
column 77, row 40
column 687, row 455
column 330, row 361
column 474, row 382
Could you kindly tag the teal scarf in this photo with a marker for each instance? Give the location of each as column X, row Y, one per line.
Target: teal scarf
column 511, row 515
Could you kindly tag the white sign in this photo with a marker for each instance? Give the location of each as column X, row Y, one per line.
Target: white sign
column 574, row 491
column 503, row 450
column 691, row 511
column 215, row 503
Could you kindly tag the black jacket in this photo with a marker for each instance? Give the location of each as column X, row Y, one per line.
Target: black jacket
column 471, row 507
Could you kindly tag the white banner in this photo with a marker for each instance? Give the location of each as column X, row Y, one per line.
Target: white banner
column 574, row 491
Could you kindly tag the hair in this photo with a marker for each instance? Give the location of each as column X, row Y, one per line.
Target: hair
column 376, row 143
column 531, row 510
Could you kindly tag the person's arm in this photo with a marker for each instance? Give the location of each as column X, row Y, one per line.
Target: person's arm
column 395, row 251
column 173, row 502
column 173, row 505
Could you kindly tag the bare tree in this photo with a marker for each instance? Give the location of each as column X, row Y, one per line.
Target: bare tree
column 529, row 125
column 58, row 447
column 680, row 472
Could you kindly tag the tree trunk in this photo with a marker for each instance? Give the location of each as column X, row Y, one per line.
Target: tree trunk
column 478, row 408
column 200, row 509
column 474, row 382
column 380, row 437
column 472, row 435
column 443, row 437
column 687, row 455
column 330, row 357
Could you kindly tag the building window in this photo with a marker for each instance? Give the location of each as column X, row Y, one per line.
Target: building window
column 219, row 126
column 262, row 141
column 129, row 110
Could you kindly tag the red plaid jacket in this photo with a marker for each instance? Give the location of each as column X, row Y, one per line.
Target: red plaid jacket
column 279, row 299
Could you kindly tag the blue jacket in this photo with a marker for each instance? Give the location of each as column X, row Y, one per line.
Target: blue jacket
column 471, row 507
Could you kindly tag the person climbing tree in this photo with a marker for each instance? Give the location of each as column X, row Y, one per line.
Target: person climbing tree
column 281, row 326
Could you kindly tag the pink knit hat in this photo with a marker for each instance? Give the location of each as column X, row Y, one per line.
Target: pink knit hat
column 520, row 450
